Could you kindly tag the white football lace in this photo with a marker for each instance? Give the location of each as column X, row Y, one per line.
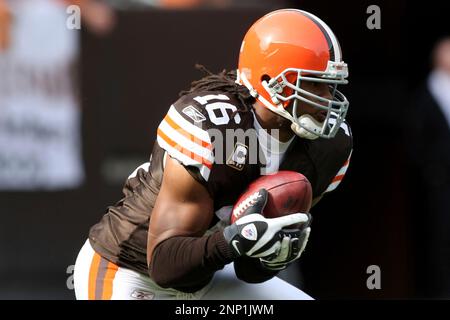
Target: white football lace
column 249, row 201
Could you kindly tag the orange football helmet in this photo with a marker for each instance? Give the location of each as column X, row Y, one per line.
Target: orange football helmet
column 284, row 48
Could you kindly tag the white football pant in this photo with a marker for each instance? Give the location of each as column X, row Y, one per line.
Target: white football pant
column 95, row 278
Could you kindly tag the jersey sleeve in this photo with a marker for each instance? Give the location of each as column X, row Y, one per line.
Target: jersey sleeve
column 183, row 136
column 340, row 175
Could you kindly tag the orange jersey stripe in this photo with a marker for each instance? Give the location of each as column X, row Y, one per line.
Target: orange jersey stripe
column 338, row 178
column 186, row 152
column 108, row 281
column 93, row 271
column 182, row 131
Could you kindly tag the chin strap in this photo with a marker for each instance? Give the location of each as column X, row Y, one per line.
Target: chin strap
column 308, row 122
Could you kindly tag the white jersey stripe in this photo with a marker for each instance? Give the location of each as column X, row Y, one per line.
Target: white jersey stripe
column 185, row 142
column 341, row 172
column 185, row 160
column 189, row 127
column 333, row 186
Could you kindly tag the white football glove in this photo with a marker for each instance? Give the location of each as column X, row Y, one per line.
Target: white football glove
column 290, row 250
column 255, row 236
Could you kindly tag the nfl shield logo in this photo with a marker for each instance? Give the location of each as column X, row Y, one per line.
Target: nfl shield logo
column 249, row 232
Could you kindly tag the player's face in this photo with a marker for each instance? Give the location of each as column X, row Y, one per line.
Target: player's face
column 274, row 121
column 318, row 88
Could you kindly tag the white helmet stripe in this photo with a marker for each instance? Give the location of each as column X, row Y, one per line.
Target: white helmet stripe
column 336, row 49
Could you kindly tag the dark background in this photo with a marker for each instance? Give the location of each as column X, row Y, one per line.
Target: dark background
column 129, row 79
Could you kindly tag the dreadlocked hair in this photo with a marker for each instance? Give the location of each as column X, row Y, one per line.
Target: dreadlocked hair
column 223, row 82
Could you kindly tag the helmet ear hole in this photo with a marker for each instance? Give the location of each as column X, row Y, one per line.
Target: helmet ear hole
column 265, row 77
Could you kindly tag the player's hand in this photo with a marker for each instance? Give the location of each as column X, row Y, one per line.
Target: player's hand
column 256, row 236
column 290, row 250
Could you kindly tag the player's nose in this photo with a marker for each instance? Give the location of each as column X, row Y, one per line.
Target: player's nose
column 325, row 92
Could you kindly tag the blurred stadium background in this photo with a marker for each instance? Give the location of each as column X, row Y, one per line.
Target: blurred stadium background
column 125, row 75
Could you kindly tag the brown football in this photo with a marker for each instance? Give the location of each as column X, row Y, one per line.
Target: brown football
column 288, row 192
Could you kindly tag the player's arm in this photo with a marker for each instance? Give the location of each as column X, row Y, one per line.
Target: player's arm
column 178, row 254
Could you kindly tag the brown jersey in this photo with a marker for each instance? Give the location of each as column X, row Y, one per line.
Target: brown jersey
column 210, row 135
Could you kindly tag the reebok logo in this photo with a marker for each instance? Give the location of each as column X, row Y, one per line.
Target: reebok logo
column 142, row 295
column 194, row 114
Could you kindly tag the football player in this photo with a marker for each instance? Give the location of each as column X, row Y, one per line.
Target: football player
column 170, row 236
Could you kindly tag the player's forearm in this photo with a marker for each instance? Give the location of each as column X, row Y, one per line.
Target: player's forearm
column 188, row 263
